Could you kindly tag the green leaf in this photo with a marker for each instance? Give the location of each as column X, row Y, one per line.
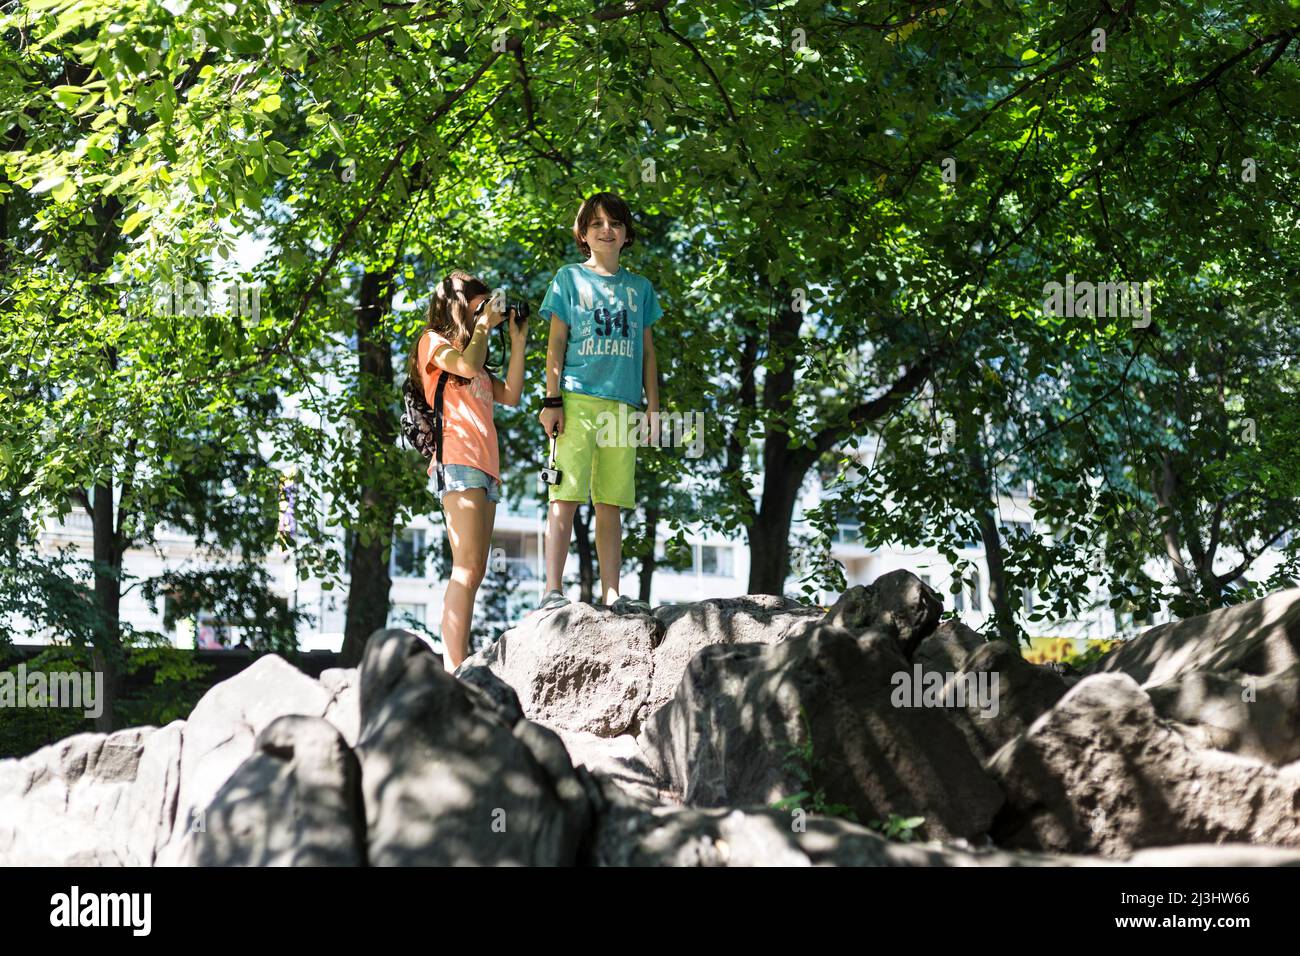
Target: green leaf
column 133, row 221
column 68, row 96
column 45, row 185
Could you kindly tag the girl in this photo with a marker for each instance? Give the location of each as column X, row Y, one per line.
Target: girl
column 454, row 340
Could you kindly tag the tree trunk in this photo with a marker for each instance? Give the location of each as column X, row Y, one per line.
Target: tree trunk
column 582, row 534
column 784, row 468
column 783, row 471
column 1166, row 491
column 769, row 534
column 369, row 581
column 106, row 653
column 648, row 563
column 1004, row 613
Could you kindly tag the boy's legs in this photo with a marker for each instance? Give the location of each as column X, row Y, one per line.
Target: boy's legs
column 609, row 549
column 613, row 487
column 559, row 532
column 596, row 462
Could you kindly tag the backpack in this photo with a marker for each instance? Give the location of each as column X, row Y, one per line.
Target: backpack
column 421, row 424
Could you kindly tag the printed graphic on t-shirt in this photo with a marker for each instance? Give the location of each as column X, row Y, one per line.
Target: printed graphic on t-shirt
column 607, row 316
column 610, row 334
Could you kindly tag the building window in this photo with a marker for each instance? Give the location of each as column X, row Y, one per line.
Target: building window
column 404, row 615
column 970, row 594
column 661, row 562
column 716, row 560
column 331, row 614
column 408, row 554
column 507, row 547
column 848, row 533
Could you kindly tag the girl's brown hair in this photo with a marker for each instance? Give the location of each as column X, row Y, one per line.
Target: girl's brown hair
column 449, row 316
column 614, row 207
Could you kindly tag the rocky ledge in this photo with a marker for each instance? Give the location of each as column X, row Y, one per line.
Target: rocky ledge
column 732, row 732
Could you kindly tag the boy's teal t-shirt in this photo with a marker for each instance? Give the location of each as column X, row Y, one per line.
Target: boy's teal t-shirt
column 605, row 316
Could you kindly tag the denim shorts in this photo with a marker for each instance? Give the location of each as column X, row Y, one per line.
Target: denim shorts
column 463, row 478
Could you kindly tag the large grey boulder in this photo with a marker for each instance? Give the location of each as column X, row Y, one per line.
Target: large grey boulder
column 630, row 834
column 344, row 707
column 447, row 781
column 1198, row 768
column 1253, row 716
column 898, row 602
column 222, row 729
column 1020, row 693
column 500, row 695
column 295, row 802
column 945, row 649
column 732, row 734
column 1232, row 675
column 91, row 799
column 1258, row 637
column 619, row 761
column 749, row 619
column 1102, row 772
column 577, row 667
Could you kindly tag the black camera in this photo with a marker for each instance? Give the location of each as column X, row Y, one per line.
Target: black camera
column 516, row 309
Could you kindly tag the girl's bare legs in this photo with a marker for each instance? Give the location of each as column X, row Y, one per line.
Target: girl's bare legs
column 559, row 532
column 609, row 549
column 470, row 517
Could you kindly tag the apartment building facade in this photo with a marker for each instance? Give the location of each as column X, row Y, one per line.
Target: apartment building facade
column 719, row 568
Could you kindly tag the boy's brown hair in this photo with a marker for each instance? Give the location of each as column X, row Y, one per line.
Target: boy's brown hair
column 614, row 207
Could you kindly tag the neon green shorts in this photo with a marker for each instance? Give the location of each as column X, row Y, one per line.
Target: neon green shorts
column 593, row 454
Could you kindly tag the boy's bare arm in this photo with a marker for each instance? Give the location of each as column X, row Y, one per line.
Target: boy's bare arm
column 650, row 371
column 556, row 345
column 552, row 419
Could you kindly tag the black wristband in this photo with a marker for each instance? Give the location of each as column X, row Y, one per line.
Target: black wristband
column 553, row 401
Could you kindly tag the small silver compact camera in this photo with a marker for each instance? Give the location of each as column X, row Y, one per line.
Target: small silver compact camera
column 550, row 474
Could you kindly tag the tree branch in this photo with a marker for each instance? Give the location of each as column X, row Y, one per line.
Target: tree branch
column 870, row 411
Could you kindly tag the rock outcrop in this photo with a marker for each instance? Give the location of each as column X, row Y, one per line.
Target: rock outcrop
column 734, row 732
column 1102, row 772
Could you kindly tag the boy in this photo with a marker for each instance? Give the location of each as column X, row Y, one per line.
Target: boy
column 599, row 357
